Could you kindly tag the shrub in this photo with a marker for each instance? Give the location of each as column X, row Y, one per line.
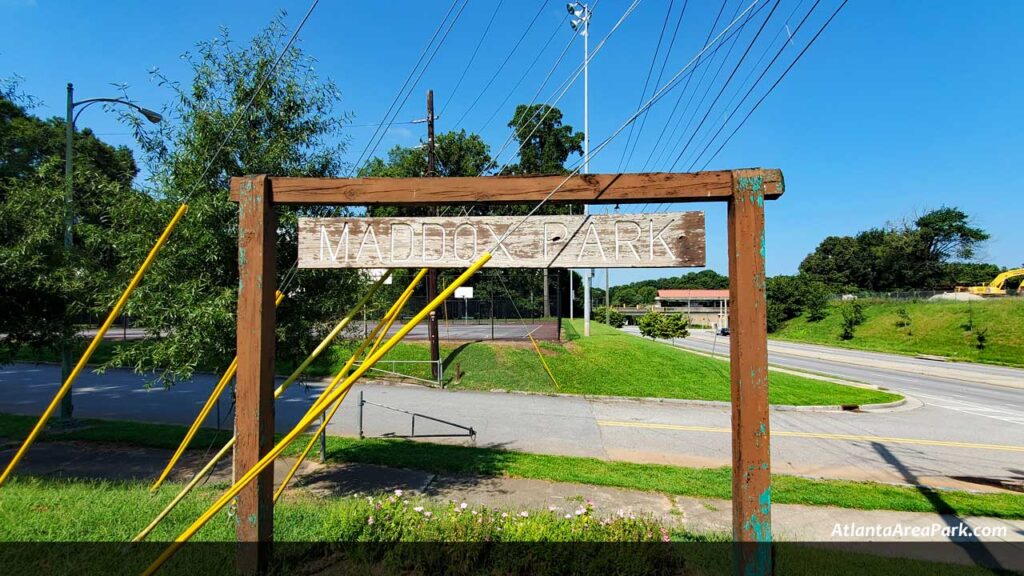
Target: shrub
column 981, row 335
column 609, row 316
column 776, row 316
column 674, row 326
column 902, row 318
column 853, row 316
column 816, row 299
column 650, row 325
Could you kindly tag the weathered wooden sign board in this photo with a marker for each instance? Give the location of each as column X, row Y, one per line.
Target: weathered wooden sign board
column 674, row 239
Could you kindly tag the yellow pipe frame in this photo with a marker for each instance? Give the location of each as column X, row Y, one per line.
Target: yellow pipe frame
column 95, row 342
column 277, row 394
column 542, row 361
column 386, row 322
column 225, row 379
column 392, row 313
column 307, row 420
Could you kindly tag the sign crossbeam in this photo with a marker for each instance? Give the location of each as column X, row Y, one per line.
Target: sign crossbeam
column 589, row 188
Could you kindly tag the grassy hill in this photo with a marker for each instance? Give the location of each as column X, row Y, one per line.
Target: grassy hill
column 611, row 363
column 941, row 328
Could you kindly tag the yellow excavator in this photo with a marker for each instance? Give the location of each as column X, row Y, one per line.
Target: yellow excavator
column 997, row 287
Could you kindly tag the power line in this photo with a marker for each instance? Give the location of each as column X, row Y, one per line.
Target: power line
column 525, row 74
column 667, row 149
column 533, row 100
column 572, row 79
column 430, row 59
column 757, row 65
column 661, row 72
column 494, row 13
column 259, row 86
column 650, row 70
column 726, row 84
column 756, row 82
column 387, row 114
column 784, row 73
column 653, row 100
column 503, row 64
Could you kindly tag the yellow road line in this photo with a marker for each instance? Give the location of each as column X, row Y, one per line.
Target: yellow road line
column 817, row 435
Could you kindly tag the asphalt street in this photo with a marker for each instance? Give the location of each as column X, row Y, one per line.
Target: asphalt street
column 940, row 443
column 961, row 389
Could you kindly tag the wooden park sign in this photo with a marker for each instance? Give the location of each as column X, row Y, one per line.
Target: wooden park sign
column 743, row 191
column 674, row 239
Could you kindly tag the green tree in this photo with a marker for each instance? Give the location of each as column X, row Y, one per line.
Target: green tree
column 853, row 316
column 650, row 325
column 44, row 294
column 211, row 132
column 815, row 300
column 907, row 256
column 544, row 143
column 609, row 316
column 675, row 326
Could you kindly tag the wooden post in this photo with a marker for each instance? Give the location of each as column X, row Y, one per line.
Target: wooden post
column 254, row 402
column 751, row 469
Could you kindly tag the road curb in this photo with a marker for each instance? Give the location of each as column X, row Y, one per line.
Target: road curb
column 704, row 403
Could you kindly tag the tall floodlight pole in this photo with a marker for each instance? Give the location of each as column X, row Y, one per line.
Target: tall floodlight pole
column 608, row 290
column 66, row 360
column 581, row 23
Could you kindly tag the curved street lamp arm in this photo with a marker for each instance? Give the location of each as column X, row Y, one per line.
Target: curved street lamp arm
column 149, row 114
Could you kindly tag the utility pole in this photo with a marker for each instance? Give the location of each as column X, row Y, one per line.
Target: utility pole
column 432, row 332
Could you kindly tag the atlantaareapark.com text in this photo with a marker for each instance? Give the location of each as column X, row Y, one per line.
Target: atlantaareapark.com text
column 935, row 530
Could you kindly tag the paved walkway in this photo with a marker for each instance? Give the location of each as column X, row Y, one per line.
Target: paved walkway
column 790, row 522
column 916, row 446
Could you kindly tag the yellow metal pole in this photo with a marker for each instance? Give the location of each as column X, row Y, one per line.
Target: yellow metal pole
column 95, row 342
column 305, row 452
column 542, row 361
column 277, row 394
column 386, row 322
column 389, row 319
column 186, row 489
column 308, row 419
column 225, row 379
column 332, row 335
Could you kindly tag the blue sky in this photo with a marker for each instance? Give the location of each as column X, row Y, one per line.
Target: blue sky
column 899, row 107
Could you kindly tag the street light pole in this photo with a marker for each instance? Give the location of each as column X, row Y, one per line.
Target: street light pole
column 66, row 406
column 66, row 360
column 589, row 274
column 581, row 12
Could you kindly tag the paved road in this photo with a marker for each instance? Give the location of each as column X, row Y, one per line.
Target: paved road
column 960, row 389
column 930, row 445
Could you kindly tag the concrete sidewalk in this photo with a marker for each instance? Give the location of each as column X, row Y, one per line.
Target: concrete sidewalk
column 790, row 522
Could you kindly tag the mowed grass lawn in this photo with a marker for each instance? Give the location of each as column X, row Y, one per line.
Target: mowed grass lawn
column 940, row 328
column 710, row 483
column 610, row 363
column 63, row 512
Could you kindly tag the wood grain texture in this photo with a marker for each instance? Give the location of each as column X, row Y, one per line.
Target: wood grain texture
column 672, row 239
column 589, row 188
column 254, row 393
column 751, row 450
